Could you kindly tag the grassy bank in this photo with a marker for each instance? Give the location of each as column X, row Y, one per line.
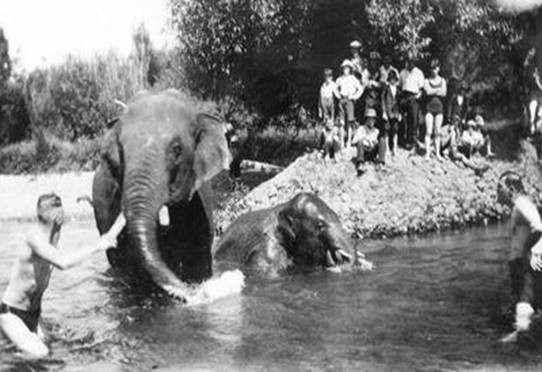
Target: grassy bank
column 410, row 196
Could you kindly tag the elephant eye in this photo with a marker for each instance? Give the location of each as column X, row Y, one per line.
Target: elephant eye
column 321, row 225
column 176, row 150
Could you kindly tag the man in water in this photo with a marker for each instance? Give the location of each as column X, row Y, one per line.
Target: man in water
column 525, row 254
column 21, row 305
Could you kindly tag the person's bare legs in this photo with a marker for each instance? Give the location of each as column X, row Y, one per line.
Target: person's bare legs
column 533, row 106
column 428, row 133
column 18, row 333
column 438, row 124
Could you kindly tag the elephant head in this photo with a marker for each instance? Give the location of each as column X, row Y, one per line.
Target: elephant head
column 158, row 156
column 312, row 233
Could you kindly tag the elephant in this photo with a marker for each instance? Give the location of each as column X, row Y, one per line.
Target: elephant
column 303, row 232
column 157, row 159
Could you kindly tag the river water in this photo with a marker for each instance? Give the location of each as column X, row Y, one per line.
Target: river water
column 431, row 304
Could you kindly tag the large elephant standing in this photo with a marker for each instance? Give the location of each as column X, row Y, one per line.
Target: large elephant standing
column 161, row 153
column 303, row 232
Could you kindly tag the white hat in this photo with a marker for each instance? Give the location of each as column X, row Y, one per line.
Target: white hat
column 355, row 44
column 347, row 63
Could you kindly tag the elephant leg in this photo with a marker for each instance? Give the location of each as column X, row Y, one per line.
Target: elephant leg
column 106, row 198
column 190, row 240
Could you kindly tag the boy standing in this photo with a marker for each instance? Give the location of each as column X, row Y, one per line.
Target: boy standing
column 326, row 106
column 366, row 141
column 348, row 91
column 525, row 252
column 20, row 308
column 391, row 115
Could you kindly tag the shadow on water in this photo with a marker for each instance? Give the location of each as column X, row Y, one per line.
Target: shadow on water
column 437, row 303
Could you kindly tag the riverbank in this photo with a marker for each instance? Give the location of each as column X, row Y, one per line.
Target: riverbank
column 410, row 196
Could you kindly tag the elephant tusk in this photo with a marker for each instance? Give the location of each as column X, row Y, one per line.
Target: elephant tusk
column 346, row 255
column 329, row 259
column 163, row 216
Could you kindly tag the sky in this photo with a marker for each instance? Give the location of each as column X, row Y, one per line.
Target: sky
column 42, row 32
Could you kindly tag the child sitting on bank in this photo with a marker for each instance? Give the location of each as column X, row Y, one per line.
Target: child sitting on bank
column 330, row 140
column 472, row 140
column 20, row 308
column 524, row 253
column 326, row 104
column 366, row 141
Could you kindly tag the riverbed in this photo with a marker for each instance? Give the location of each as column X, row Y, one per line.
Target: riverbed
column 432, row 303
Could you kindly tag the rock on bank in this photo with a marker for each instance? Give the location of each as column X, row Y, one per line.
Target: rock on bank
column 411, row 196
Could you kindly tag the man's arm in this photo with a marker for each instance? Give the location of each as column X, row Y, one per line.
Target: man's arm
column 359, row 90
column 527, row 209
column 65, row 260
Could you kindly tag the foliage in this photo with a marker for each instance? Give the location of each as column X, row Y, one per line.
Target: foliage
column 14, row 118
column 44, row 153
column 5, row 61
column 401, row 25
column 76, row 99
column 226, row 44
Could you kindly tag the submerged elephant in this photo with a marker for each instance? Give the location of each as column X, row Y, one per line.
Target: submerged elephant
column 303, row 232
column 158, row 156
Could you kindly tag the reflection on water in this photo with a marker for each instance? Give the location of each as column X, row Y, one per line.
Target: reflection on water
column 431, row 304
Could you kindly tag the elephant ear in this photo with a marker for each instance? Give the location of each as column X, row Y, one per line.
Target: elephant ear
column 286, row 227
column 111, row 149
column 211, row 155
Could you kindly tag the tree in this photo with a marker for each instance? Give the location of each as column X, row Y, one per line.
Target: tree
column 5, row 61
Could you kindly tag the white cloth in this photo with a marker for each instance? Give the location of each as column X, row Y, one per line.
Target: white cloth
column 327, row 90
column 368, row 137
column 473, row 138
column 348, row 87
column 412, row 81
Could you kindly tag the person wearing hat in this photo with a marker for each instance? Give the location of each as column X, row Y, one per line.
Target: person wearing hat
column 348, row 91
column 359, row 63
column 411, row 81
column 366, row 141
column 391, row 116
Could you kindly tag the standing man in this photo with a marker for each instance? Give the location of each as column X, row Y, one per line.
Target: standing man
column 348, row 91
column 411, row 81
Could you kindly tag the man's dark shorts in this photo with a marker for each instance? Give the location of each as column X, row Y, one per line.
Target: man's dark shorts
column 29, row 318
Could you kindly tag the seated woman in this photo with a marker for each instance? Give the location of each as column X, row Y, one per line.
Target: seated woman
column 435, row 90
column 366, row 141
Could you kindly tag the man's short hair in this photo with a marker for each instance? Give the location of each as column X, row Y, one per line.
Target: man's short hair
column 510, row 184
column 47, row 202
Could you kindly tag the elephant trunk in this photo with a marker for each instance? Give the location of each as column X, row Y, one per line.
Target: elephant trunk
column 145, row 193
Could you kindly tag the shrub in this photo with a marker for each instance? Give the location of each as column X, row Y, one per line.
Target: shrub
column 76, row 98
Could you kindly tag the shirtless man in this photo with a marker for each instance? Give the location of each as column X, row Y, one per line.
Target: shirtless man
column 21, row 305
column 525, row 252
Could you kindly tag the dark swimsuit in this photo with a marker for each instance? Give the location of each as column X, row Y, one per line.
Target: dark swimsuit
column 434, row 103
column 29, row 318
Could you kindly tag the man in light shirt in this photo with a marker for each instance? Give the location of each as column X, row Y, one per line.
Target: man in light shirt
column 411, row 81
column 348, row 92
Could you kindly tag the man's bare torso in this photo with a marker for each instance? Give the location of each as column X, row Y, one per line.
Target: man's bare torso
column 30, row 275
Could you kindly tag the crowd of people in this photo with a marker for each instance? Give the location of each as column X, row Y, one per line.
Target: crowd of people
column 397, row 109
